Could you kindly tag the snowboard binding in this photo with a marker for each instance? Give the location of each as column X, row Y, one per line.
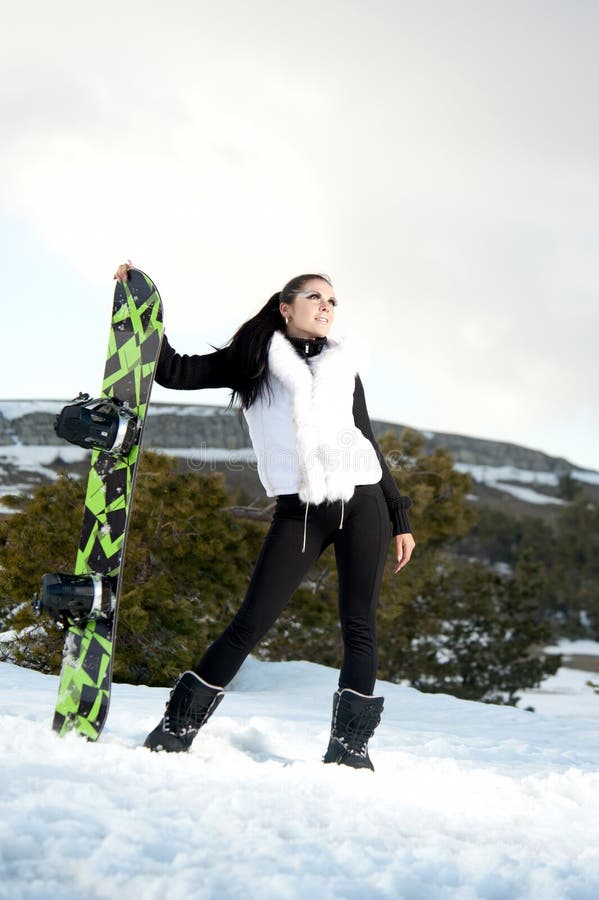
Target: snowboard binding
column 102, row 424
column 75, row 599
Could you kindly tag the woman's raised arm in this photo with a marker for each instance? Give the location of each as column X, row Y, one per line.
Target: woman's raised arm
column 192, row 373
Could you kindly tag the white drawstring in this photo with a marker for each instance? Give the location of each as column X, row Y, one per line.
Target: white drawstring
column 341, row 523
column 305, row 524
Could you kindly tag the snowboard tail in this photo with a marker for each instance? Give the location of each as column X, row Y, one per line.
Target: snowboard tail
column 133, row 350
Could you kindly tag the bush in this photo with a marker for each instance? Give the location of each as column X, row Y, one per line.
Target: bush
column 186, row 567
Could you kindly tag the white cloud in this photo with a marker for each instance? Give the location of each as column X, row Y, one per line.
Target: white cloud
column 441, row 168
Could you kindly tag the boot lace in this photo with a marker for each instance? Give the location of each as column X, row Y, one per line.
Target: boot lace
column 189, row 713
column 359, row 728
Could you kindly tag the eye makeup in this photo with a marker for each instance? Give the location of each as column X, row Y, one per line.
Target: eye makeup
column 316, row 297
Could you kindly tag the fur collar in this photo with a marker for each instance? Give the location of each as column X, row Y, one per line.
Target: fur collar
column 322, row 408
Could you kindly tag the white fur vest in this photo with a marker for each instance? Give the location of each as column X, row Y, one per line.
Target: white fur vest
column 305, row 438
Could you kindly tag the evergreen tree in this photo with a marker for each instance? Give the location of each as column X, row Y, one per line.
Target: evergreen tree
column 575, row 569
column 466, row 630
column 566, row 546
column 568, row 488
column 186, row 568
column 39, row 536
column 444, row 624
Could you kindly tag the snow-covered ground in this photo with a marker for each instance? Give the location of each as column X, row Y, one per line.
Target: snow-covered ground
column 580, row 647
column 468, row 800
column 36, row 458
column 23, row 467
column 501, row 477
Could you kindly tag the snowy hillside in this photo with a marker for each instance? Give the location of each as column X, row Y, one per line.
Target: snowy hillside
column 510, row 480
column 31, row 453
column 467, row 801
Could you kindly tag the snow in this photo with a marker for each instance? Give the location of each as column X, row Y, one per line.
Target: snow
column 499, row 477
column 528, row 495
column 14, row 409
column 468, row 800
column 37, row 459
column 30, row 456
column 179, row 409
column 6, row 637
column 204, row 454
column 7, row 490
column 578, row 647
column 488, row 474
column 589, row 477
column 565, row 694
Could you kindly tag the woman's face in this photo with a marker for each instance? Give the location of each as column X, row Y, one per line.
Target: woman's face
column 312, row 311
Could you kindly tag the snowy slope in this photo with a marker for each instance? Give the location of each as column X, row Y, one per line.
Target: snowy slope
column 23, row 466
column 501, row 477
column 518, row 481
column 468, row 800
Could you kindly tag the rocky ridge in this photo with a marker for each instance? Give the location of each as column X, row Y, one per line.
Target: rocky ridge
column 191, row 427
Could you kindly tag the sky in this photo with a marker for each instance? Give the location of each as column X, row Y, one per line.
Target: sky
column 438, row 160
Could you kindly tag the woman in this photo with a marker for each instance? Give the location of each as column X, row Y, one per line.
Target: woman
column 316, row 453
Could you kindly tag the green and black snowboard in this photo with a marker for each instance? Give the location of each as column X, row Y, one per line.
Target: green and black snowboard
column 86, row 603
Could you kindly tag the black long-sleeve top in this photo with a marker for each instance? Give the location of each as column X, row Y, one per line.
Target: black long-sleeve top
column 184, row 372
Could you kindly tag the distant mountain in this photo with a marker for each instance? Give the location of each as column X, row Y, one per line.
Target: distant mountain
column 31, row 453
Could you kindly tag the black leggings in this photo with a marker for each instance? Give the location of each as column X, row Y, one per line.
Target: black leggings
column 361, row 547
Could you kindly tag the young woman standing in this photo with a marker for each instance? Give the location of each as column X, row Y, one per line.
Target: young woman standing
column 304, row 404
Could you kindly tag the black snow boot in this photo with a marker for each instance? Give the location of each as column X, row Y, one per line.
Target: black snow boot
column 191, row 703
column 355, row 717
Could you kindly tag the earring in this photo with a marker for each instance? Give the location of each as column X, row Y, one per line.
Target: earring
column 286, row 320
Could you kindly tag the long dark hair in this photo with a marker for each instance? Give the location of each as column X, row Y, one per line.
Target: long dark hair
column 249, row 345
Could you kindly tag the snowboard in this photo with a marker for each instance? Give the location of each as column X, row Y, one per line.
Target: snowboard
column 86, row 603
